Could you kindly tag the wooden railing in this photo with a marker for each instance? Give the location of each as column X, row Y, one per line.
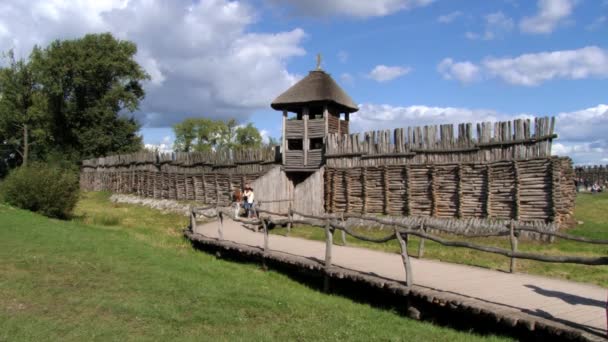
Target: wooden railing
column 401, row 231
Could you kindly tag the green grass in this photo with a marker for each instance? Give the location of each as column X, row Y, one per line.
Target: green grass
column 122, row 272
column 591, row 209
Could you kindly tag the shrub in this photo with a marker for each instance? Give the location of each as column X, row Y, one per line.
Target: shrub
column 48, row 190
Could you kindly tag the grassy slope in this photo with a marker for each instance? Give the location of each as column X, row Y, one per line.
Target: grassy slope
column 122, row 272
column 591, row 209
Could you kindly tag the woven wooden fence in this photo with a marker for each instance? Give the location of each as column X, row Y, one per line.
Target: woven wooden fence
column 505, row 172
column 208, row 177
column 534, row 189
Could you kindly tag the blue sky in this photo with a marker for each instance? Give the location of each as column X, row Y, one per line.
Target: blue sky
column 406, row 62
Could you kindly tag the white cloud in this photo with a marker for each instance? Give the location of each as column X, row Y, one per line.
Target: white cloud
column 532, row 69
column 383, row 73
column 495, row 25
column 596, row 24
column 347, row 78
column 361, row 9
column 465, row 72
column 550, row 14
column 201, row 56
column 581, row 133
column 448, row 18
column 535, row 68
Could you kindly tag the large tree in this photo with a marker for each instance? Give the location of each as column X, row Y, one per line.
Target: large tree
column 22, row 123
column 90, row 84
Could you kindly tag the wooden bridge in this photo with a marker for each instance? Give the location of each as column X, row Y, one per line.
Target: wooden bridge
column 543, row 307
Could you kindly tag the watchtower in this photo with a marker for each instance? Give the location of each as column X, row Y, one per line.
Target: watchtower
column 318, row 106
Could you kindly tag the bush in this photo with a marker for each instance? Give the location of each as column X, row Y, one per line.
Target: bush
column 48, row 190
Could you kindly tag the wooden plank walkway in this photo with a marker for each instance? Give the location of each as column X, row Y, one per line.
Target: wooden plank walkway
column 578, row 305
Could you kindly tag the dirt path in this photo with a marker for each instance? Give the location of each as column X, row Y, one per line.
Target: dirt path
column 569, row 302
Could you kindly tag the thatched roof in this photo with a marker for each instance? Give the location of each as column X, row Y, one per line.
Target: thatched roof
column 317, row 87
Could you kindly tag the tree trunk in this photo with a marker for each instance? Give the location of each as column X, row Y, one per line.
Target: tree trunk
column 26, row 145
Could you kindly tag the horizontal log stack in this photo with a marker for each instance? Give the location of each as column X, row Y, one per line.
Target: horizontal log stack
column 527, row 190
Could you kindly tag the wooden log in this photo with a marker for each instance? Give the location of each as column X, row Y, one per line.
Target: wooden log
column 409, row 279
column 220, row 230
column 513, row 238
column 265, row 225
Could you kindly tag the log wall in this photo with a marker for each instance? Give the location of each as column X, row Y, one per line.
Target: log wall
column 209, row 177
column 538, row 189
column 592, row 174
column 520, row 139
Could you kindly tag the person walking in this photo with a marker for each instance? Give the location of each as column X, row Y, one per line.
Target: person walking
column 237, row 198
column 249, row 197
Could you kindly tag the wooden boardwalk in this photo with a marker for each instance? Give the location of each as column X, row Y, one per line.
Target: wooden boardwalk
column 576, row 305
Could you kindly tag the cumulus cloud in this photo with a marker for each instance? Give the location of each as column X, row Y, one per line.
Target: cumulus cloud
column 581, row 133
column 534, row 68
column 448, row 18
column 347, row 78
column 550, row 14
column 360, row 9
column 201, row 56
column 383, row 73
column 465, row 72
column 496, row 25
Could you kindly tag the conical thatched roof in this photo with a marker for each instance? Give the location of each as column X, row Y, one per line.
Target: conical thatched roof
column 317, row 87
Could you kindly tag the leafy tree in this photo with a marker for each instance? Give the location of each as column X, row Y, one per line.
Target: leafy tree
column 273, row 141
column 22, row 122
column 203, row 134
column 88, row 84
column 248, row 136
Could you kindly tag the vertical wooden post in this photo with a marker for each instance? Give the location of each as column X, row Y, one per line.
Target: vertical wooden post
column 265, row 225
column 329, row 236
column 290, row 217
column 516, row 210
column 488, row 191
column 284, row 138
column 460, row 196
column 343, row 232
column 385, row 189
column 513, row 237
column 192, row 220
column 421, row 245
column 305, row 143
column 364, row 190
column 326, row 118
column 220, row 230
column 409, row 279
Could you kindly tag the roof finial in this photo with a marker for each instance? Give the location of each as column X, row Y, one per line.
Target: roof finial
column 318, row 61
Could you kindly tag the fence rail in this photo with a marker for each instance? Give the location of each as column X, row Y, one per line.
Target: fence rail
column 400, row 231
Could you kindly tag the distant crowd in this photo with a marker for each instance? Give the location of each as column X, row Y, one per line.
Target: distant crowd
column 589, row 186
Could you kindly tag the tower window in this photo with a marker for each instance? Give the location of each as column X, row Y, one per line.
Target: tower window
column 294, row 144
column 316, row 143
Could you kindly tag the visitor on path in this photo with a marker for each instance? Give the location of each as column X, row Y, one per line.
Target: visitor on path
column 248, row 198
column 237, row 198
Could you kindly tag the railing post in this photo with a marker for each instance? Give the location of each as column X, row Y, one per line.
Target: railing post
column 329, row 236
column 421, row 245
column 409, row 279
column 220, row 230
column 513, row 237
column 265, row 234
column 290, row 217
column 343, row 231
column 192, row 220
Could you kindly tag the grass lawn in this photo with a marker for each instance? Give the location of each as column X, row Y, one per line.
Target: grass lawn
column 591, row 209
column 122, row 272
